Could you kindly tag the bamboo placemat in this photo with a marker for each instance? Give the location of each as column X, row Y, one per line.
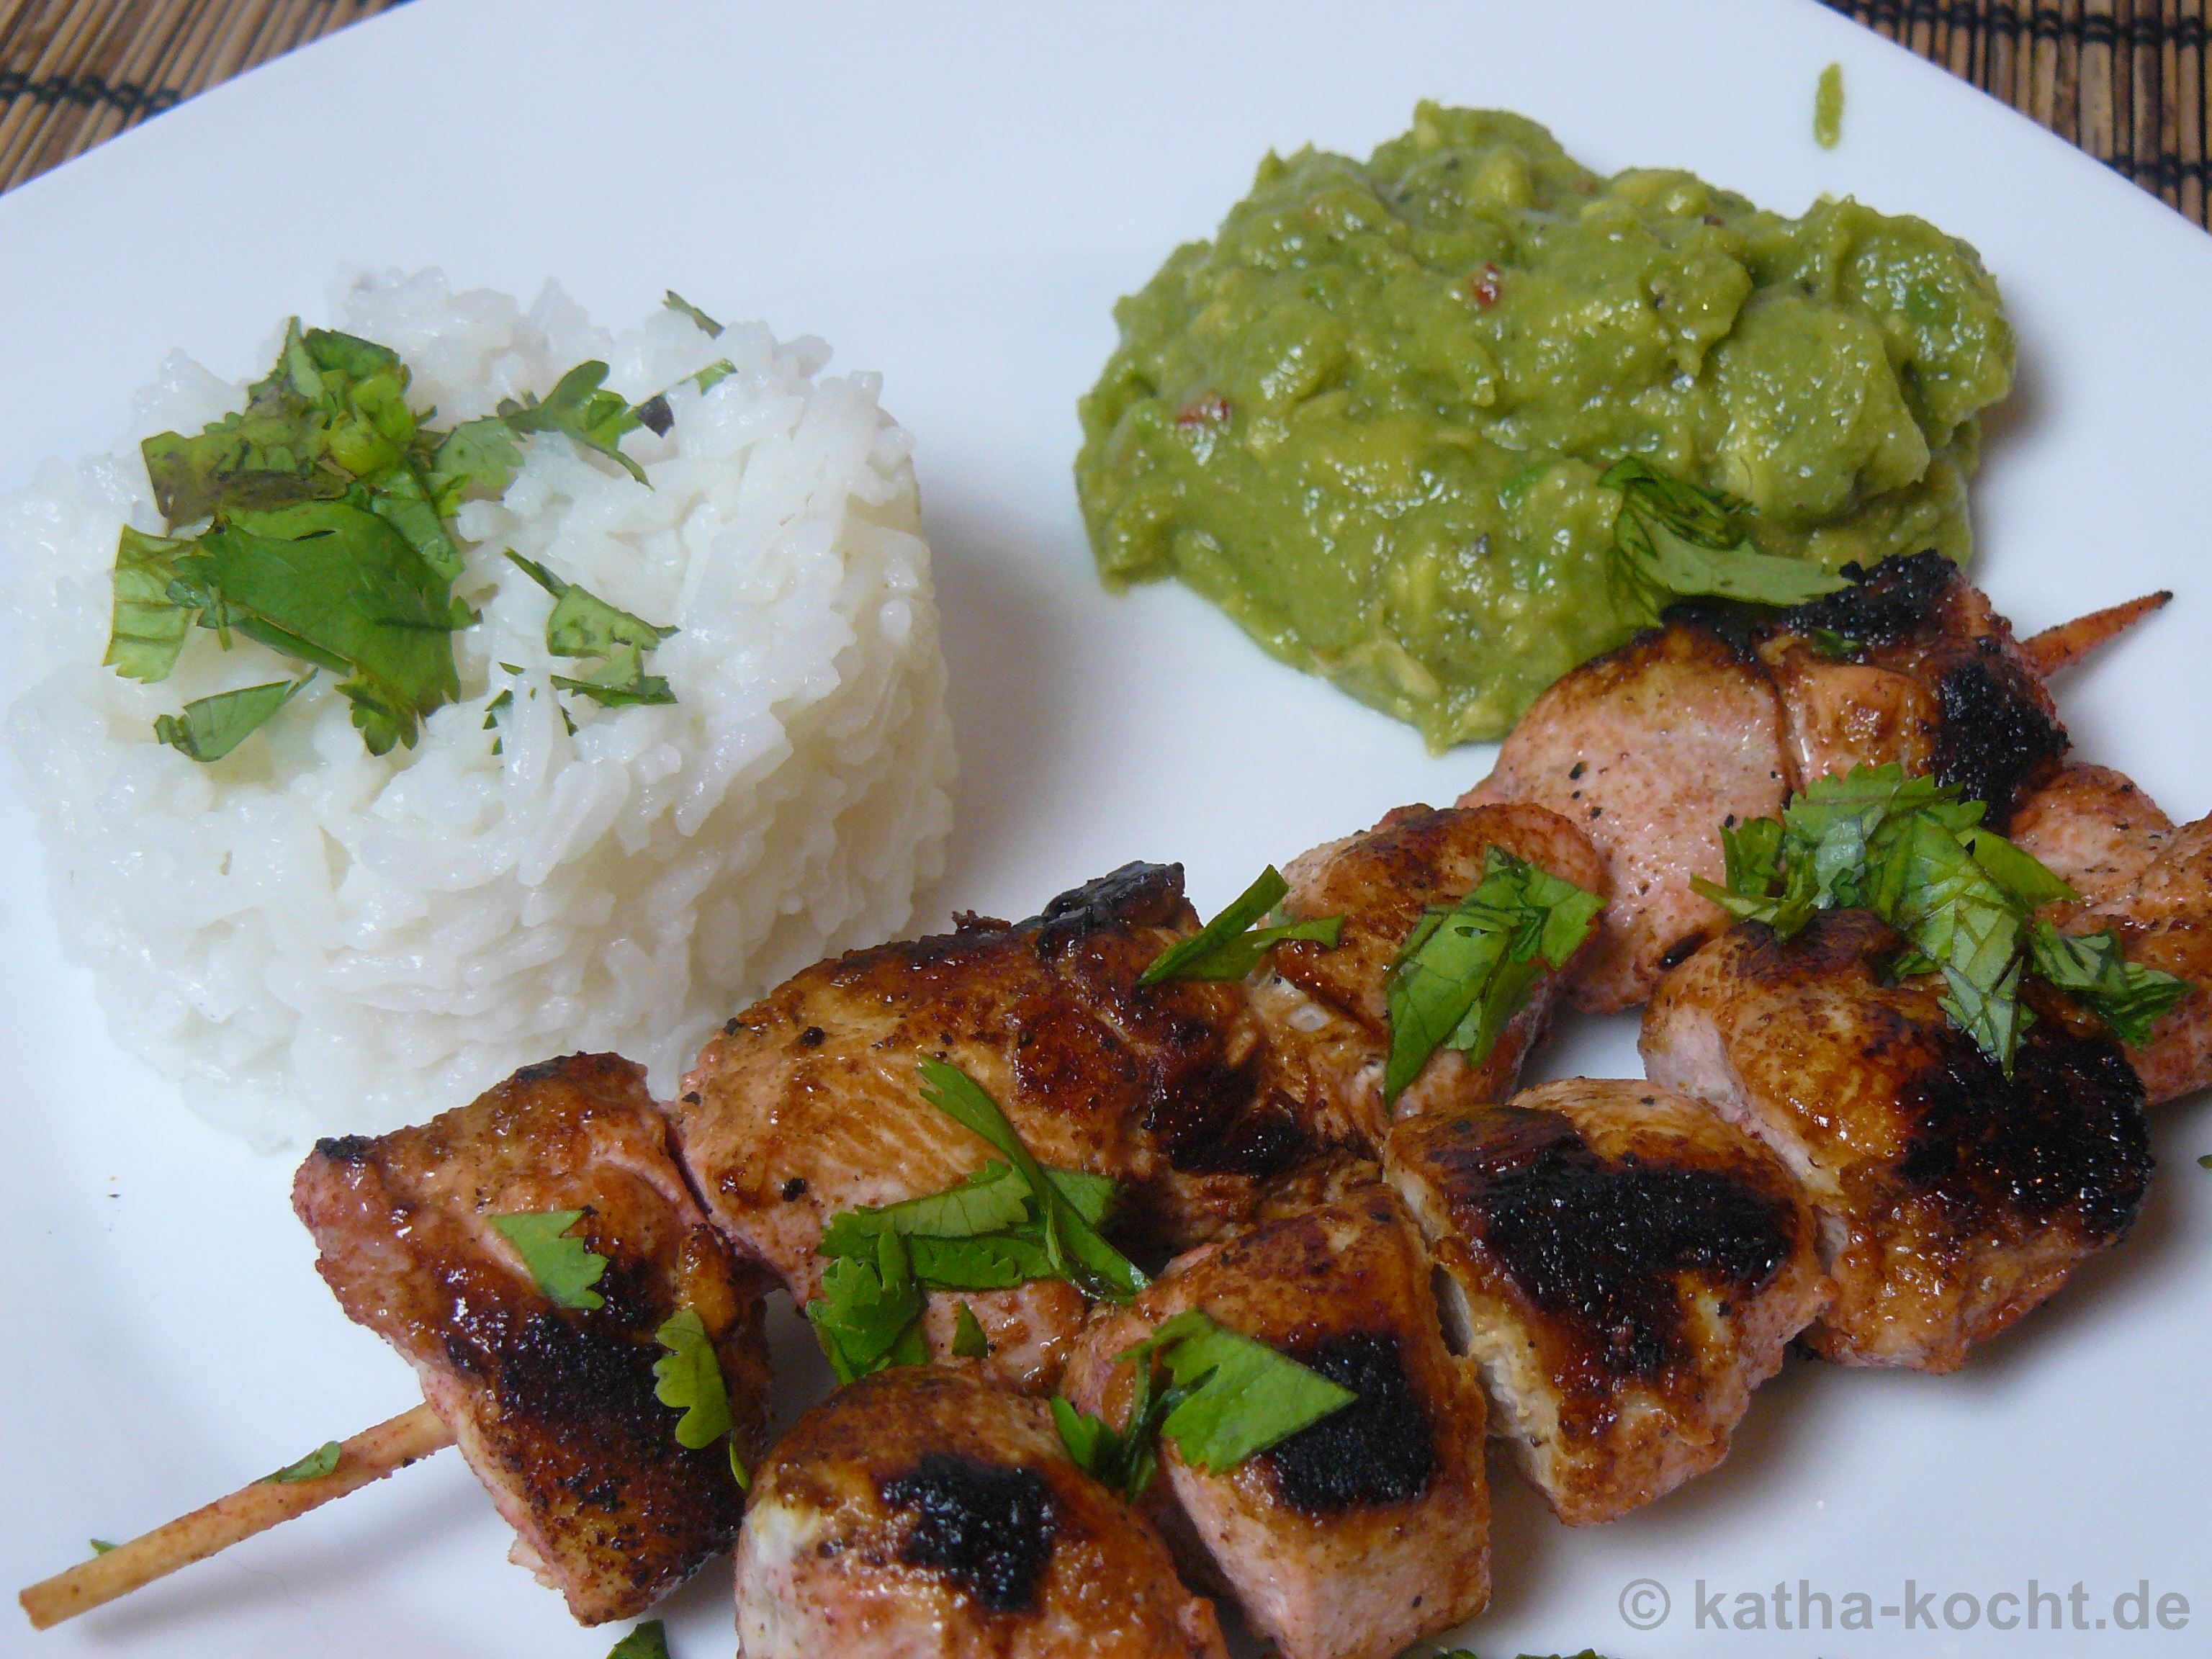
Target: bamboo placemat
column 2127, row 80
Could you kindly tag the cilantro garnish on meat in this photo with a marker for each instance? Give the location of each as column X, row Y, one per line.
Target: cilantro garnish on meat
column 317, row 521
column 1915, row 854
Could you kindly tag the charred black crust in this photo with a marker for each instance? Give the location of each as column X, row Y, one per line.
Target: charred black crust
column 1996, row 739
column 581, row 1068
column 1898, row 599
column 346, row 1148
column 576, row 1411
column 1136, row 894
column 1598, row 1247
column 2061, row 1141
column 1378, row 1450
column 987, row 1528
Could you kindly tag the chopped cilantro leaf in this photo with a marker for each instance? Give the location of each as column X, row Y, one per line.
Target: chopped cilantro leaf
column 2205, row 1162
column 565, row 1267
column 689, row 1378
column 210, row 727
column 1467, row 968
column 1072, row 1240
column 1914, row 853
column 1231, row 945
column 100, row 1546
column 1244, row 1396
column 583, row 625
column 149, row 627
column 706, row 324
column 647, row 1641
column 987, row 1232
column 739, row 1472
column 323, row 1461
column 576, row 406
column 323, row 506
column 1230, row 1398
column 968, row 1342
column 2127, row 996
column 1840, row 648
column 1679, row 541
column 869, row 1313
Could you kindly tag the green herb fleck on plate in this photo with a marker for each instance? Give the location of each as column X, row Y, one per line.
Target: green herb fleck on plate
column 647, row 1641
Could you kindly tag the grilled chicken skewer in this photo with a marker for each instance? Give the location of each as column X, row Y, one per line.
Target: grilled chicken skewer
column 1050, row 1012
column 1186, row 1091
column 1722, row 714
column 1189, row 1093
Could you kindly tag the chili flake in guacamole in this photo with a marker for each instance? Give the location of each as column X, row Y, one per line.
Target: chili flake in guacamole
column 1370, row 419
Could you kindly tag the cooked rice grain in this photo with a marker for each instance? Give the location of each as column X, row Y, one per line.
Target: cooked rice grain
column 312, row 939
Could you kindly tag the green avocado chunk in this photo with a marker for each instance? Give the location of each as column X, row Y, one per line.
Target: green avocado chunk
column 1370, row 417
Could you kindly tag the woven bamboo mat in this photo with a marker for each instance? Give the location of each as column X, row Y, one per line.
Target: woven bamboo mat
column 2130, row 81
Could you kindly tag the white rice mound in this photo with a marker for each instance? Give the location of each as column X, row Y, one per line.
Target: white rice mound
column 313, row 940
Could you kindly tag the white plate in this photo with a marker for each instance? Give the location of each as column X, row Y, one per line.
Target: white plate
column 958, row 197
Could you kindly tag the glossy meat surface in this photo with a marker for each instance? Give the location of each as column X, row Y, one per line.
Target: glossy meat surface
column 1725, row 712
column 1953, row 1198
column 1626, row 1266
column 1646, row 751
column 1941, row 685
column 1326, row 1011
column 554, row 1407
column 2150, row 882
column 925, row 1513
column 809, row 1102
column 1369, row 1530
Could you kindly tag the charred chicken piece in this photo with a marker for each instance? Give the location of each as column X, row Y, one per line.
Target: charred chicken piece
column 1326, row 1011
column 925, row 1513
column 1625, row 1267
column 1725, row 711
column 1647, row 751
column 1912, row 664
column 1953, row 1198
column 2148, row 881
column 808, row 1103
column 1369, row 1529
column 553, row 1406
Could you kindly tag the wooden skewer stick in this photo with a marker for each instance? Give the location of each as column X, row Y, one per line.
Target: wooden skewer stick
column 2063, row 646
column 369, row 1456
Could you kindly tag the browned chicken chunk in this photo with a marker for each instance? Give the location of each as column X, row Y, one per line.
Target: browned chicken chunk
column 2148, row 881
column 1911, row 664
column 1720, row 714
column 1369, row 1529
column 1625, row 1267
column 553, row 1406
column 925, row 1513
column 1953, row 1198
column 809, row 1102
column 1326, row 1011
column 1648, row 750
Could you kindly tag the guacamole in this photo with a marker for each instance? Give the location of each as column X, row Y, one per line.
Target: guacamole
column 1369, row 419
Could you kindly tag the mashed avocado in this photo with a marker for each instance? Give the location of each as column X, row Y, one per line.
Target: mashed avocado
column 1369, row 418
